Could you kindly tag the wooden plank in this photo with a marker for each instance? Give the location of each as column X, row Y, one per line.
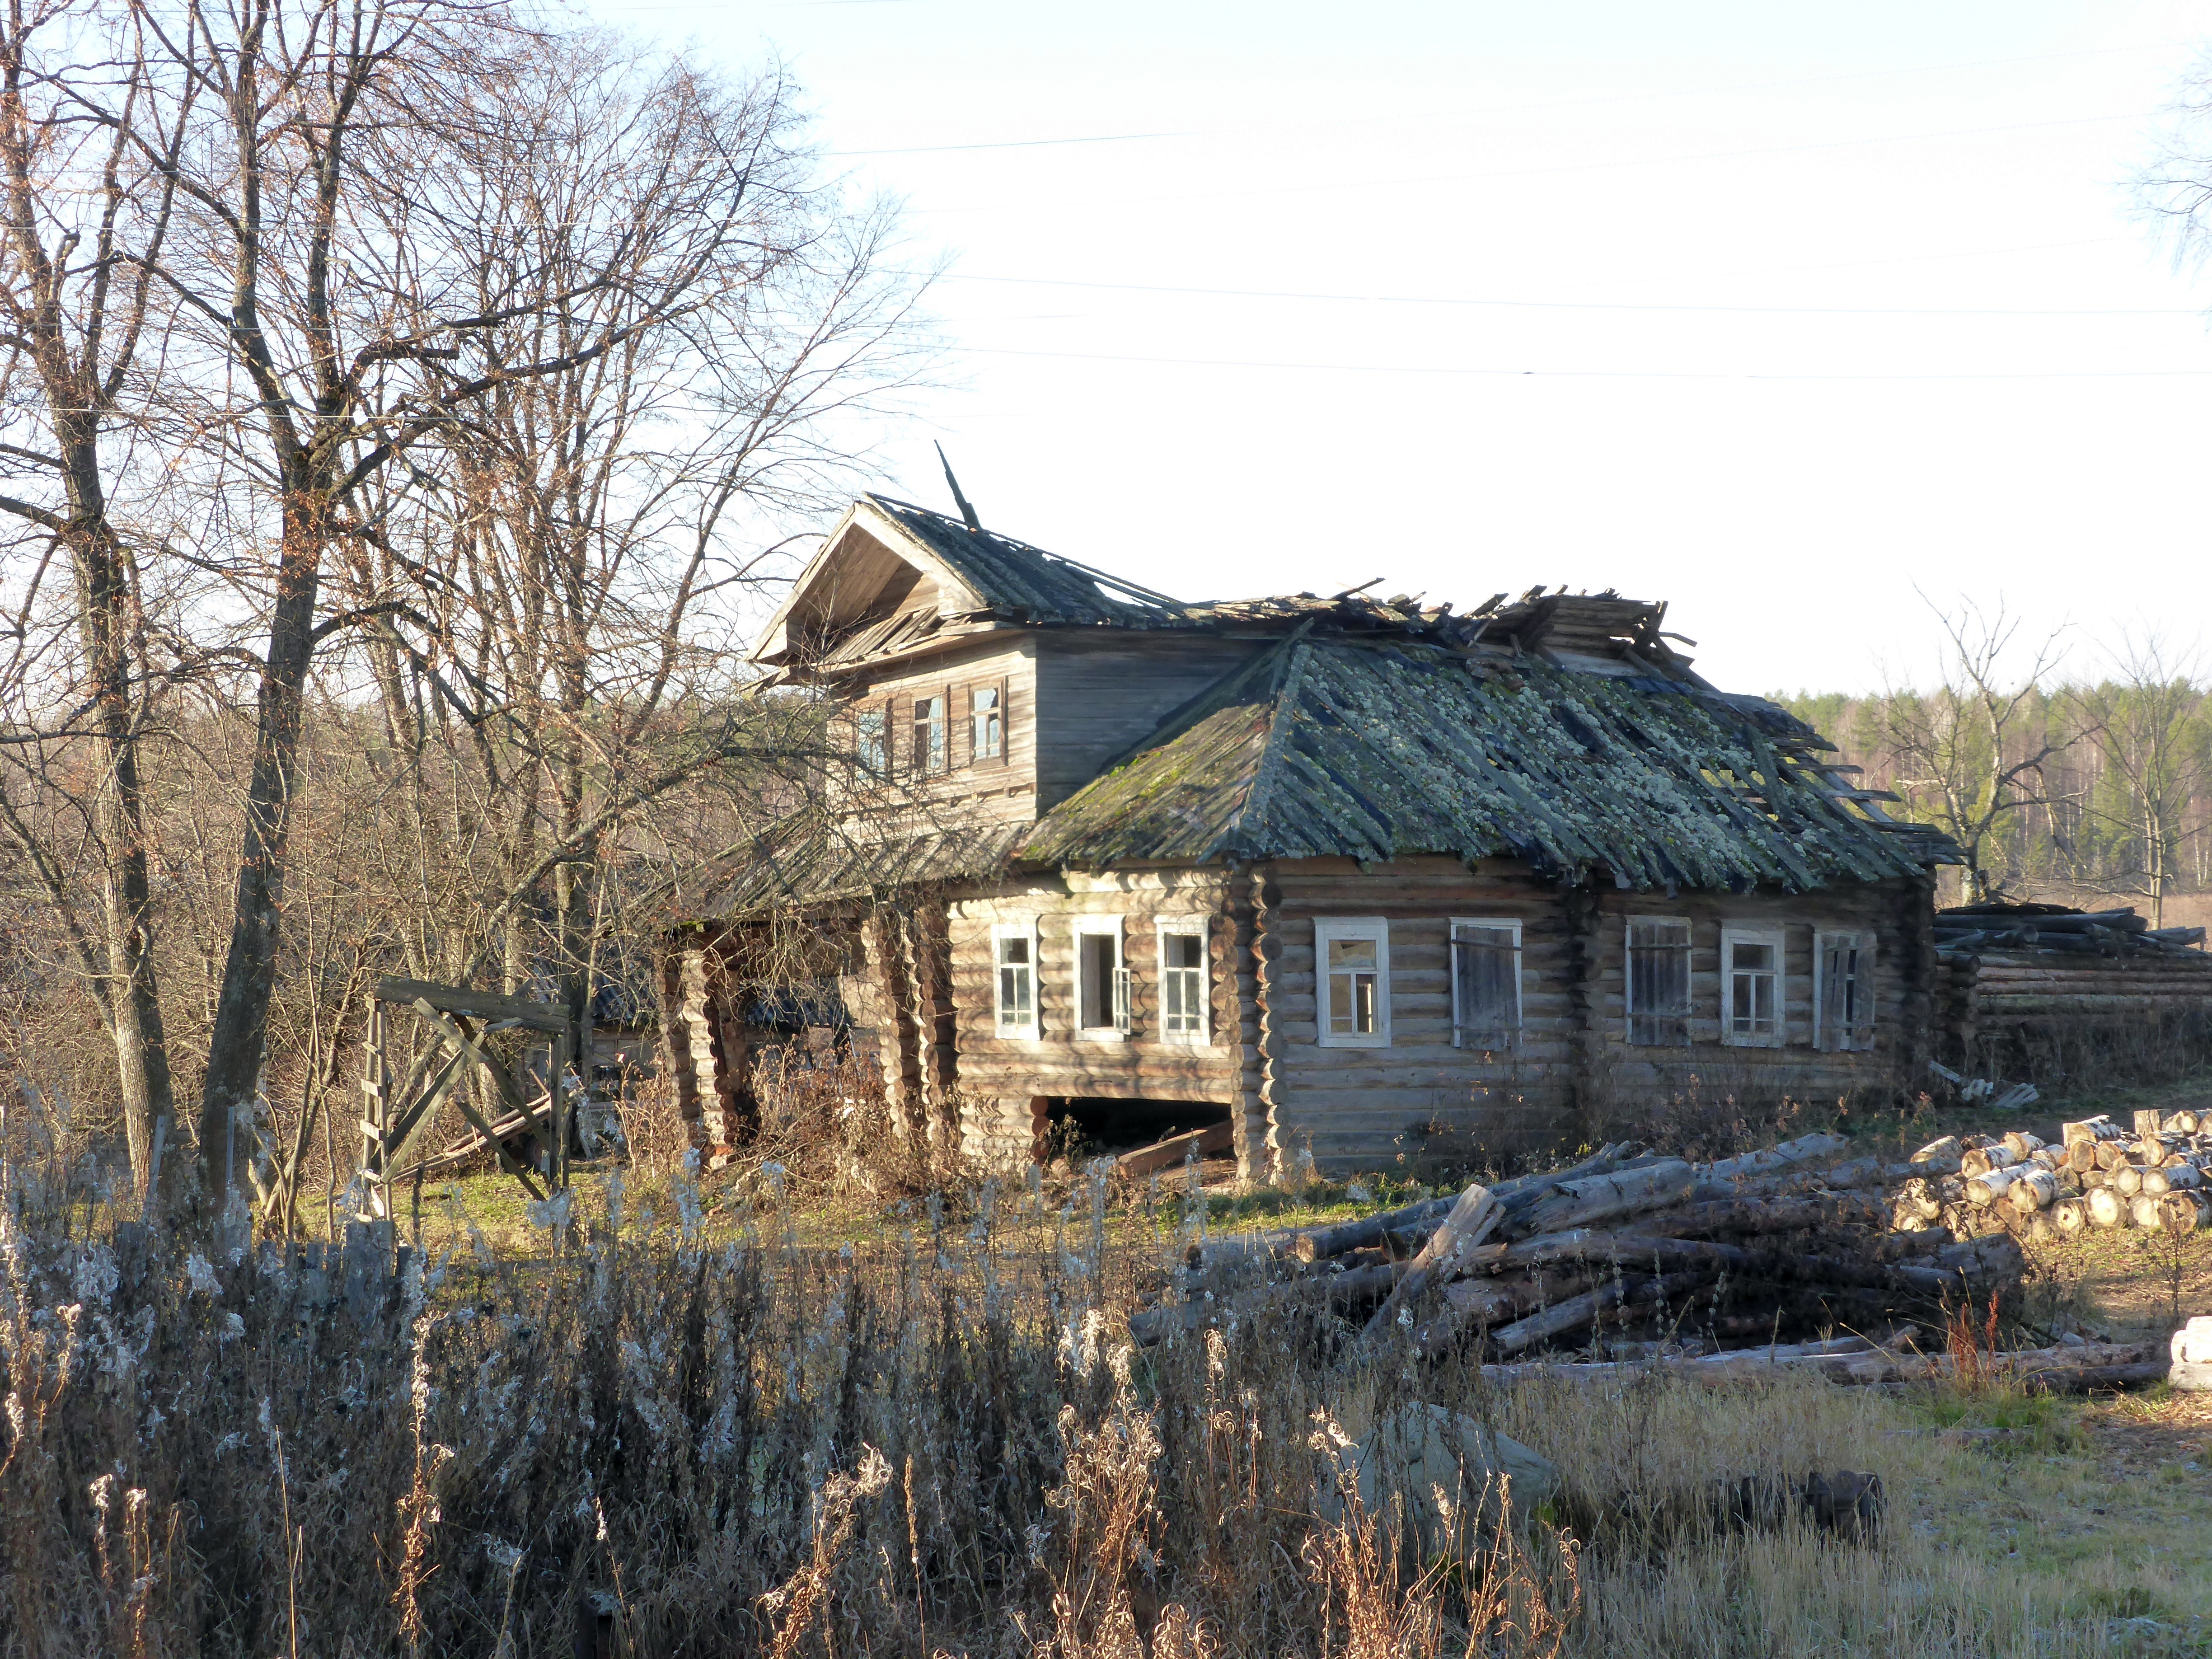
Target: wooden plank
column 1166, row 1154
column 476, row 1005
column 460, row 1040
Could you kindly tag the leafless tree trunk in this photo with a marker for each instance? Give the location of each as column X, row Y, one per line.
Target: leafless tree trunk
column 86, row 222
column 1964, row 755
column 2145, row 722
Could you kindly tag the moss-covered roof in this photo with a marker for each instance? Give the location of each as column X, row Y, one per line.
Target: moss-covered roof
column 1369, row 749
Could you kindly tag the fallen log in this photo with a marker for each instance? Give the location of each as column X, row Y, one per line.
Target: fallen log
column 2058, row 1369
column 1341, row 1291
column 1473, row 1220
column 1578, row 1312
column 1478, row 1304
column 1320, row 1243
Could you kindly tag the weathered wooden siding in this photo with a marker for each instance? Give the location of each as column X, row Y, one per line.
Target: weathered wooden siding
column 1001, row 1079
column 1099, row 694
column 1362, row 1107
column 1796, row 1068
column 989, row 791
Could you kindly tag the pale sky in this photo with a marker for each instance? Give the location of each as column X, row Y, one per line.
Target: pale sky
column 1772, row 311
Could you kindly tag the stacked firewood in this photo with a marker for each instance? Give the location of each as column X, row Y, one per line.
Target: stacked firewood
column 2157, row 1175
column 1630, row 1252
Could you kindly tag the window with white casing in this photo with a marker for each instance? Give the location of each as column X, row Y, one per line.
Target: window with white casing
column 1751, row 987
column 1185, row 996
column 1102, row 979
column 1485, row 981
column 1014, row 978
column 1658, row 982
column 1352, row 981
column 1843, row 990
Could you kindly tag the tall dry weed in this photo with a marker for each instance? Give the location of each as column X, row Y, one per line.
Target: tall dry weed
column 655, row 1441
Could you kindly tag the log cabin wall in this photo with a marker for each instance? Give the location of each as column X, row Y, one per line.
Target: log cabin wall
column 1003, row 1081
column 1363, row 1107
column 1573, row 1064
column 1099, row 694
column 1895, row 912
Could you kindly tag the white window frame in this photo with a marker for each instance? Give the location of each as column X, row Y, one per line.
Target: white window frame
column 1856, row 1039
column 1093, row 927
column 1504, row 924
column 1163, row 929
column 1022, row 930
column 1328, row 929
column 1628, row 978
column 1733, row 934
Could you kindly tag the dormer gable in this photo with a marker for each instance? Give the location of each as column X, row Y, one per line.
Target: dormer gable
column 867, row 573
column 890, row 575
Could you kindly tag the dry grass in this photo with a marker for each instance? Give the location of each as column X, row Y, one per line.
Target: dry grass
column 937, row 1443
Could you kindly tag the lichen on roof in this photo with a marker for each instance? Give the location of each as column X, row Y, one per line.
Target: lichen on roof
column 1372, row 750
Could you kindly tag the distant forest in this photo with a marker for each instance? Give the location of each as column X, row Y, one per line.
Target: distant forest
column 2103, row 787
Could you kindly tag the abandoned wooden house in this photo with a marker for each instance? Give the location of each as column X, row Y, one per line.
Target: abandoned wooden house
column 1340, row 872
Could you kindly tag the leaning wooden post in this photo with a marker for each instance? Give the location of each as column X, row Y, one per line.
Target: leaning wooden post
column 376, row 1111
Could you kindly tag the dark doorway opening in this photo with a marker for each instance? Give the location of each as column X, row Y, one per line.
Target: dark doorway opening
column 1120, row 1125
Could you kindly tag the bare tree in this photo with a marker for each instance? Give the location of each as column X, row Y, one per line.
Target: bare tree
column 1966, row 754
column 87, row 214
column 498, row 334
column 592, row 525
column 2147, row 724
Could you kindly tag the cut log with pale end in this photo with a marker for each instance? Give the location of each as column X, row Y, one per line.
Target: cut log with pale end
column 2112, row 1154
column 2107, row 1208
column 2128, row 1180
column 2021, row 1144
column 1982, row 1159
column 2184, row 1213
column 1986, row 1189
column 2088, row 1129
column 2187, row 1121
column 2032, row 1190
column 2081, row 1156
column 2070, row 1215
column 1940, row 1156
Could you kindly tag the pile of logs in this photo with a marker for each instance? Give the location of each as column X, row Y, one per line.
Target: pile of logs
column 2000, row 927
column 2156, row 1175
column 1623, row 1248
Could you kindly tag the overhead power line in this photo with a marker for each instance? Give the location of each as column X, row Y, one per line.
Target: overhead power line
column 1580, row 373
column 1572, row 305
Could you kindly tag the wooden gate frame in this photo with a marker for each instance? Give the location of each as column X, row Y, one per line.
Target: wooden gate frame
column 388, row 1133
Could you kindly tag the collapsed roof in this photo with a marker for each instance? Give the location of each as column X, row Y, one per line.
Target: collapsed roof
column 1561, row 729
